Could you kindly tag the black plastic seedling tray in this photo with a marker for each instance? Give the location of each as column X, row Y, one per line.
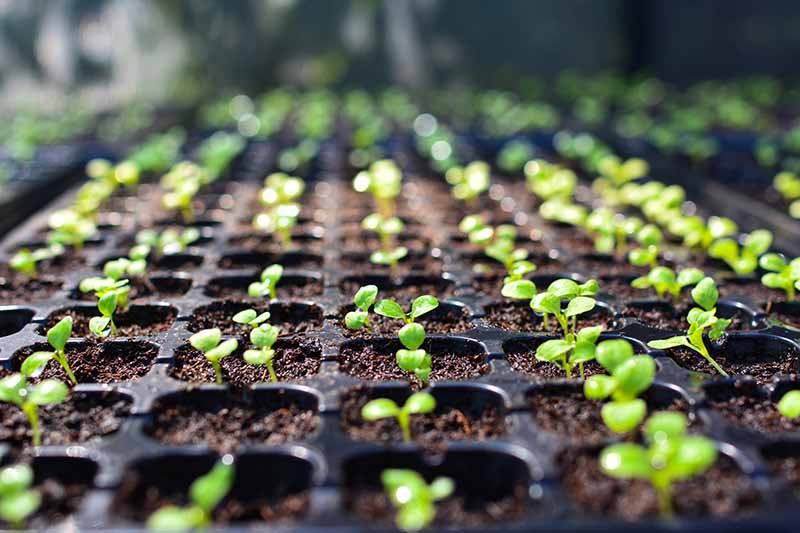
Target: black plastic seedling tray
column 324, row 471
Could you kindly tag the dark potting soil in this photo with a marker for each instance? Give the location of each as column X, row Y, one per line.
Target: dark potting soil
column 453, row 421
column 58, row 502
column 80, row 419
column 143, row 289
column 407, row 291
column 752, row 289
column 741, row 407
column 722, row 491
column 601, row 266
column 97, row 362
column 290, row 318
column 257, row 260
column 16, row 288
column 136, row 321
column 375, row 360
column 785, row 467
column 763, row 367
column 566, row 412
column 620, row 289
column 790, row 320
column 359, row 262
column 254, row 242
column 458, row 510
column 518, row 316
column 226, row 424
column 437, row 322
column 666, row 317
column 294, row 359
column 295, row 288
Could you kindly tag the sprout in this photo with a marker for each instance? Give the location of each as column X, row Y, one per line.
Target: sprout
column 57, row 337
column 15, row 389
column 181, row 184
column 414, row 498
column 514, row 155
column 789, row 404
column 168, row 242
column 208, row 342
column 25, row 260
column 387, row 229
column 383, row 180
column 498, row 244
column 469, row 182
column 280, row 220
column 217, row 152
column 611, row 230
column 269, row 279
column 70, row 228
column 629, row 376
column 417, row 403
column 548, row 181
column 782, row 275
column 575, row 349
column 671, row 456
column 17, row 500
column 262, row 336
column 665, row 282
column 696, row 232
column 549, row 303
column 205, row 493
column 650, row 238
column 279, row 196
column 705, row 295
column 742, row 259
column 110, row 294
column 788, row 185
column 563, row 211
column 364, row 298
column 411, row 335
column 616, row 172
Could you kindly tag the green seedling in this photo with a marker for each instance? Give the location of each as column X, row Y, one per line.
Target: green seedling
column 205, row 493
column 25, row 261
column 671, row 455
column 181, row 184
column 217, row 152
column 268, row 280
column 498, row 244
column 742, row 259
column 782, row 275
column 628, row 376
column 387, row 229
column 168, row 242
column 383, row 180
column 411, row 335
column 563, row 211
column 262, row 336
column 208, row 342
column 111, row 295
column 700, row 319
column 650, row 240
column 280, row 221
column 611, row 230
column 15, row 389
column 417, row 403
column 514, row 155
column 414, row 499
column 549, row 181
column 696, row 232
column 664, row 281
column 789, row 404
column 469, row 182
column 571, row 351
column 69, row 228
column 617, row 173
column 578, row 300
column 57, row 337
column 364, row 298
column 17, row 500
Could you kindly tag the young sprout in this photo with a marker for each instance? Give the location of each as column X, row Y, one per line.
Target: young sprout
column 696, row 232
column 25, row 260
column 280, row 195
column 208, row 342
column 411, row 335
column 650, row 240
column 611, row 230
column 789, row 404
column 57, row 337
column 629, row 376
column 573, row 350
column 17, row 500
column 205, row 493
column 665, row 282
column 671, row 455
column 364, row 298
column 414, row 499
column 70, row 228
column 280, row 220
column 549, row 181
column 383, row 180
column 16, row 390
column 563, row 211
column 616, row 172
column 168, row 242
column 269, row 279
column 498, row 244
column 701, row 318
column 217, row 152
column 387, row 229
column 181, row 184
column 262, row 336
column 788, row 185
column 782, row 275
column 417, row 403
column 578, row 301
column 469, row 182
column 111, row 295
column 742, row 259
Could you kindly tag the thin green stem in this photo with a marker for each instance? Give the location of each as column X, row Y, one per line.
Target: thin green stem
column 272, row 294
column 32, row 412
column 62, row 360
column 114, row 331
column 272, row 375
column 217, row 371
column 664, row 494
column 702, row 350
column 405, row 425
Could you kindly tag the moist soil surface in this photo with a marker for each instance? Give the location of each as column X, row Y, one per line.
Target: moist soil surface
column 253, row 242
column 15, row 288
column 375, row 360
column 287, row 289
column 136, row 321
column 748, row 410
column 786, row 318
column 294, row 359
column 751, row 289
column 620, row 289
column 785, row 467
column 407, row 291
column 359, row 262
column 722, row 491
column 97, row 362
column 80, row 419
column 255, row 261
column 664, row 317
column 453, row 421
column 437, row 322
column 596, row 266
column 58, row 502
column 290, row 318
column 567, row 412
column 146, row 288
column 763, row 367
column 226, row 424
column 459, row 510
column 518, row 316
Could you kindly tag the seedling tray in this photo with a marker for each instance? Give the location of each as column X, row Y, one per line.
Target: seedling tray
column 323, row 475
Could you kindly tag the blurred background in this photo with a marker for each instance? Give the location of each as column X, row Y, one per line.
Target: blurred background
column 111, row 51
